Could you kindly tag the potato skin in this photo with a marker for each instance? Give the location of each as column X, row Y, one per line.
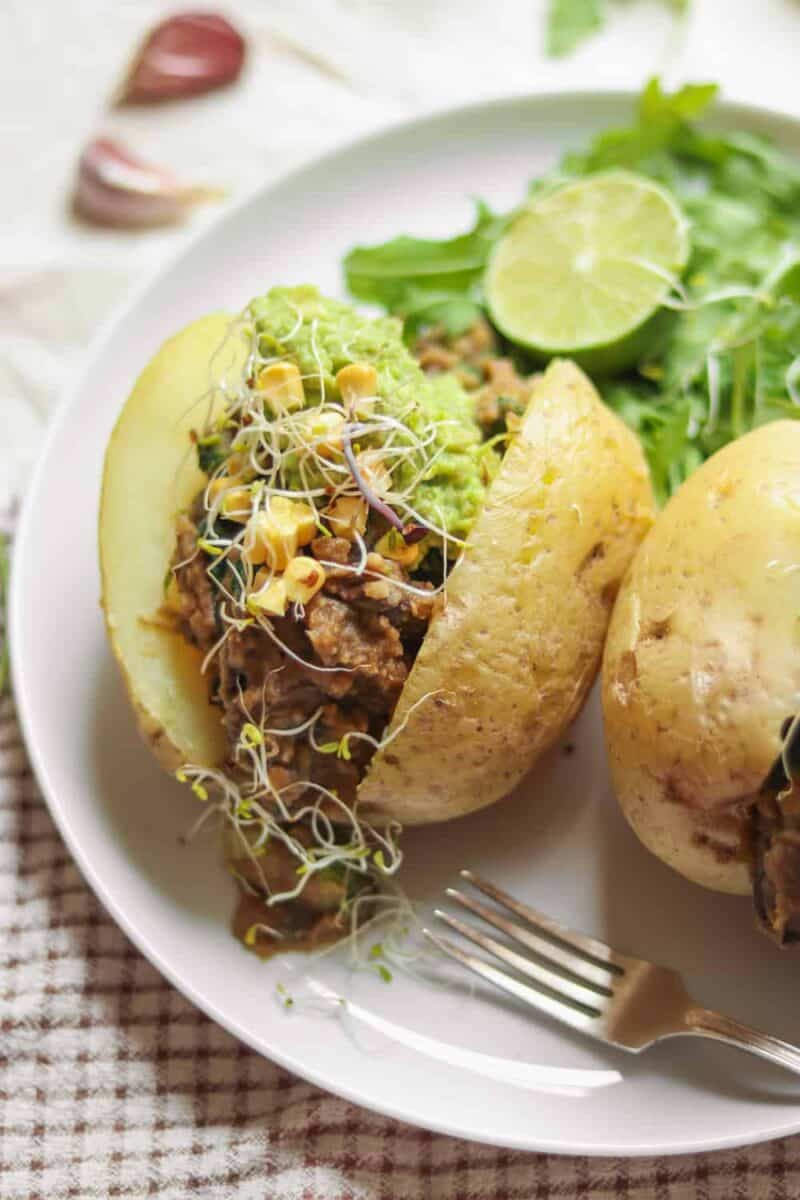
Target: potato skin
column 702, row 662
column 509, row 662
column 149, row 475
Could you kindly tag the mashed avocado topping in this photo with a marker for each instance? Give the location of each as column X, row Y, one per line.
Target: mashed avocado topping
column 427, row 425
column 323, row 335
column 452, row 489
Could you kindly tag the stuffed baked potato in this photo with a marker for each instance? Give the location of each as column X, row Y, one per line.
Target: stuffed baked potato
column 311, row 669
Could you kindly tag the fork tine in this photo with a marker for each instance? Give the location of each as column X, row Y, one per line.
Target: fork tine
column 576, row 966
column 589, row 947
column 562, row 989
column 564, row 1013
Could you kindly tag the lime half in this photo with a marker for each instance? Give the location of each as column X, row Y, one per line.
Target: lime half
column 584, row 269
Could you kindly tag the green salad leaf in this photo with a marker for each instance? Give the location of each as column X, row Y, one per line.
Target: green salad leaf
column 729, row 358
column 569, row 22
column 661, row 117
column 427, row 281
column 728, row 362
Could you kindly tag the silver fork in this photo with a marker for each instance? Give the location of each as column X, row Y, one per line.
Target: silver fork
column 626, row 1002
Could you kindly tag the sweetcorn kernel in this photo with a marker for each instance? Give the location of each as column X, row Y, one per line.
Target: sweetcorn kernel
column 303, row 578
column 269, row 541
column 356, row 381
column 270, row 598
column 303, row 516
column 274, row 536
column 237, row 501
column 347, row 516
column 219, row 485
column 323, row 428
column 392, row 546
column 282, row 387
column 237, row 504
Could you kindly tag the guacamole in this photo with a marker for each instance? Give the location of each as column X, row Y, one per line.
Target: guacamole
column 322, row 335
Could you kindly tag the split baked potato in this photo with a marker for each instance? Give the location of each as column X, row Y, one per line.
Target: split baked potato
column 702, row 662
column 505, row 665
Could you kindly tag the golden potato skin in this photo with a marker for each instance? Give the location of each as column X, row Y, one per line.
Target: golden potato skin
column 702, row 662
column 510, row 660
column 149, row 475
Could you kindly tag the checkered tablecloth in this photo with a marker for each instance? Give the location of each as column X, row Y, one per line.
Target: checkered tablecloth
column 113, row 1085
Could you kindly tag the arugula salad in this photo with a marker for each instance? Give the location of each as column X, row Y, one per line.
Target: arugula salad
column 720, row 354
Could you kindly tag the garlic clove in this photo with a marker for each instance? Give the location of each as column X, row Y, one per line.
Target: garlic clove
column 186, row 55
column 116, row 188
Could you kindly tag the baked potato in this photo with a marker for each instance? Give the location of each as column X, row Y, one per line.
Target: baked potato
column 702, row 663
column 310, row 665
column 511, row 659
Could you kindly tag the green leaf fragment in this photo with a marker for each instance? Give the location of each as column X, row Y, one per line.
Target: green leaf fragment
column 570, row 22
column 211, row 453
column 660, row 119
column 427, row 281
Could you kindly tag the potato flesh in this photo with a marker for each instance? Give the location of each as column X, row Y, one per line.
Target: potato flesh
column 509, row 662
column 149, row 475
column 702, row 662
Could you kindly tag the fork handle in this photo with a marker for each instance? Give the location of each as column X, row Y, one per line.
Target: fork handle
column 703, row 1022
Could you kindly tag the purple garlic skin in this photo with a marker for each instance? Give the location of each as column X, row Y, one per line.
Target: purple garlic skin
column 186, row 55
column 115, row 188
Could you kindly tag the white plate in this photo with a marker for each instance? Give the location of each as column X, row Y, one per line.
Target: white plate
column 560, row 843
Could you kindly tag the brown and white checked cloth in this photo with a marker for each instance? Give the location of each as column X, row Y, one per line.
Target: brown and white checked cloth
column 113, row 1085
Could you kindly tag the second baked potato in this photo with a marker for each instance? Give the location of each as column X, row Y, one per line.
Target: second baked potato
column 702, row 662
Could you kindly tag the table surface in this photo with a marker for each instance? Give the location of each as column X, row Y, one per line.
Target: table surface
column 111, row 1083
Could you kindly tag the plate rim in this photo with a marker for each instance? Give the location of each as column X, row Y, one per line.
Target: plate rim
column 730, row 110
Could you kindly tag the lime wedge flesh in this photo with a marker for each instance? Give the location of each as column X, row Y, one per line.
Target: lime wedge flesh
column 585, row 267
